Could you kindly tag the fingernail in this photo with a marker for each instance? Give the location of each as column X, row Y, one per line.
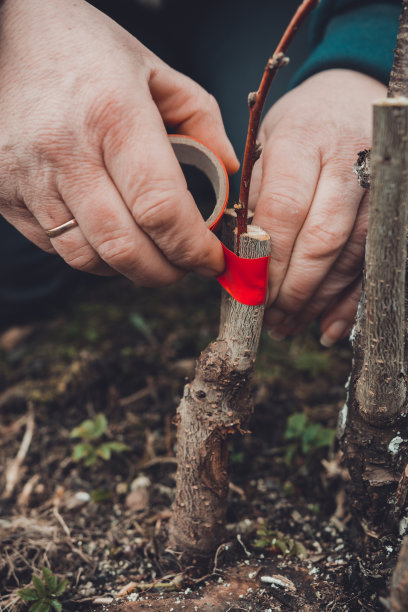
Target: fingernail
column 276, row 335
column 334, row 332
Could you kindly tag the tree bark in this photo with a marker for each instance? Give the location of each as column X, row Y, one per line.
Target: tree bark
column 373, row 432
column 381, row 387
column 215, row 405
column 399, row 585
column 398, row 85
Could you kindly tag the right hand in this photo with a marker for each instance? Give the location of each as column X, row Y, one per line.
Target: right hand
column 83, row 109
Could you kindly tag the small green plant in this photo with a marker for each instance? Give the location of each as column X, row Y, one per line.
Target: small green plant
column 91, row 449
column 44, row 597
column 306, row 437
column 276, row 542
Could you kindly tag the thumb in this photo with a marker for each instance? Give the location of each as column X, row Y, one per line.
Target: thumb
column 186, row 106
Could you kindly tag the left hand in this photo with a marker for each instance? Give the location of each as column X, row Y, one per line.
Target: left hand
column 309, row 201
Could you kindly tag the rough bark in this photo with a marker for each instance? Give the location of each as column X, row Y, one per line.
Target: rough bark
column 215, row 405
column 398, row 85
column 381, row 388
column 399, row 586
column 373, row 429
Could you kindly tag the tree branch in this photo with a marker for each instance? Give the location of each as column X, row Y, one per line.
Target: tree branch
column 256, row 102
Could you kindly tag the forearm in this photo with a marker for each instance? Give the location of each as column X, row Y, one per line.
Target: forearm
column 353, row 34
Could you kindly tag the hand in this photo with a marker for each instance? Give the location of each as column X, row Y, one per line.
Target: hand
column 308, row 199
column 83, row 108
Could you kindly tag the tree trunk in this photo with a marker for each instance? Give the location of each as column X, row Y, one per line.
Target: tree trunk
column 373, row 427
column 374, row 435
column 215, row 405
column 399, row 585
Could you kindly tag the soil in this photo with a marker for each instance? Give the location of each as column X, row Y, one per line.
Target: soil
column 127, row 353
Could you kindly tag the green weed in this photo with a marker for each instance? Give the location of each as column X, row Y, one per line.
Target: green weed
column 44, row 597
column 91, row 449
column 275, row 542
column 306, row 437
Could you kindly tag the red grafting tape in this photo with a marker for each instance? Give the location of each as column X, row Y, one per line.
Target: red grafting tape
column 245, row 279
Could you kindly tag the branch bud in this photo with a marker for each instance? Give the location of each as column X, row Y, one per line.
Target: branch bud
column 278, row 61
column 257, row 151
column 252, row 98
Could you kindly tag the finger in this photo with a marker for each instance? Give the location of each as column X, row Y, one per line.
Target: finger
column 345, row 270
column 22, row 219
column 339, row 318
column 110, row 229
column 142, row 165
column 72, row 245
column 290, row 172
column 325, row 232
column 184, row 105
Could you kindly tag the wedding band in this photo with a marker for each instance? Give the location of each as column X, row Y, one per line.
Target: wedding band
column 60, row 229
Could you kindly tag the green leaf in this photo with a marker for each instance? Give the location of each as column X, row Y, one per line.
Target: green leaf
column 290, row 453
column 61, row 587
column 28, row 594
column 295, row 426
column 262, row 543
column 56, row 605
column 80, row 451
column 118, row 447
column 282, row 545
column 39, row 586
column 308, row 437
column 37, row 607
column 50, row 579
column 91, row 429
column 101, row 425
column 91, row 458
column 104, row 451
column 325, row 437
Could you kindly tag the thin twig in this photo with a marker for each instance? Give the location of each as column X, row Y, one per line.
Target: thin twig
column 13, row 471
column 61, row 522
column 256, row 102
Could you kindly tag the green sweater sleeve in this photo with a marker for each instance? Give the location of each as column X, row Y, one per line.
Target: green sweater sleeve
column 355, row 34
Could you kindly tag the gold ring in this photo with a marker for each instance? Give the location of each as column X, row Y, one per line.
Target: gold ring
column 60, row 229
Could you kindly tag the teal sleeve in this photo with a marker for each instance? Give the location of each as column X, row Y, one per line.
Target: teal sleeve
column 355, row 34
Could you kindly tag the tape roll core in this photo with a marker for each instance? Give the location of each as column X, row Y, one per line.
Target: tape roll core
column 191, row 152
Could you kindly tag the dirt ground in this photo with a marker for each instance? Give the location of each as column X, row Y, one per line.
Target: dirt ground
column 127, row 353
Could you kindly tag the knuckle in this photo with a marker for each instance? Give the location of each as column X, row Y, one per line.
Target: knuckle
column 204, row 106
column 351, row 262
column 116, row 251
column 293, row 300
column 83, row 259
column 103, row 111
column 156, row 208
column 286, row 208
column 323, row 242
column 210, row 103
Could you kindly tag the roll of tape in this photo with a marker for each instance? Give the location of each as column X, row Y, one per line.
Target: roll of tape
column 191, row 152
